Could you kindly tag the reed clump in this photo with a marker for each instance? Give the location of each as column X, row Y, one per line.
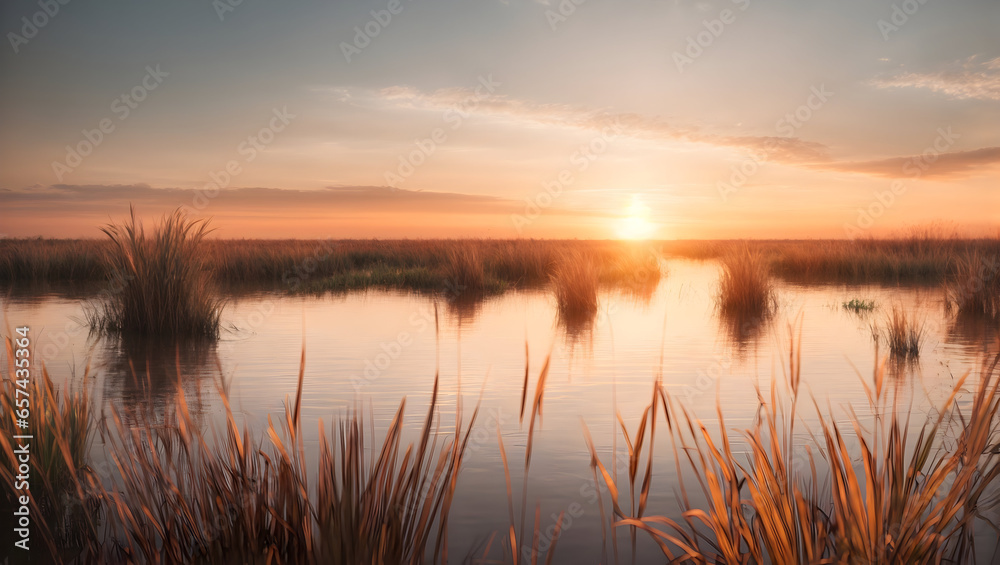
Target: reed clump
column 746, row 288
column 575, row 283
column 975, row 289
column 902, row 333
column 162, row 286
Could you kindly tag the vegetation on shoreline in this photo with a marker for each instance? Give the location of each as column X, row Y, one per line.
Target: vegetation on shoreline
column 428, row 264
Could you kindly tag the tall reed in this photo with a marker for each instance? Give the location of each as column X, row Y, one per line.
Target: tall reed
column 164, row 288
column 745, row 287
column 60, row 428
column 575, row 283
column 798, row 498
column 902, row 332
column 976, row 286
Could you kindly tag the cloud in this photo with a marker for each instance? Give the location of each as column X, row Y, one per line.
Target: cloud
column 943, row 165
column 343, row 198
column 969, row 80
column 783, row 149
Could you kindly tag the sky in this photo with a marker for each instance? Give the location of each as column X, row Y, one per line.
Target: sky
column 502, row 118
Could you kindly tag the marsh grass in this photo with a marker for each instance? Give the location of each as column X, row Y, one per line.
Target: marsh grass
column 878, row 494
column 901, row 332
column 856, row 495
column 928, row 257
column 975, row 289
column 859, row 306
column 745, row 287
column 575, row 283
column 61, row 426
column 164, row 288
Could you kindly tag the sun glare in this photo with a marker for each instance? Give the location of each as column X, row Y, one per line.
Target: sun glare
column 636, row 223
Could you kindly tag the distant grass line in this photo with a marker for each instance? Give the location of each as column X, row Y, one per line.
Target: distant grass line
column 920, row 258
column 423, row 264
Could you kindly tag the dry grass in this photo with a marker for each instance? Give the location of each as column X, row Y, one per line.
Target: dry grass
column 917, row 256
column 878, row 494
column 575, row 283
column 746, row 288
column 901, row 332
column 164, row 288
column 791, row 501
column 927, row 257
column 975, row 289
column 61, row 426
column 179, row 496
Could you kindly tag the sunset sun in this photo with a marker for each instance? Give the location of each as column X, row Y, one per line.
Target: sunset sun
column 636, row 223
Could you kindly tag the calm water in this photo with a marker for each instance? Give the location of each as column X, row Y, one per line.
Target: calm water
column 372, row 349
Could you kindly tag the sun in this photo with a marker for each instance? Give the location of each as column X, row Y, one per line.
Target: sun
column 636, row 223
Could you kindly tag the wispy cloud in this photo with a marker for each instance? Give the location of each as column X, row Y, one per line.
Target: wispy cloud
column 783, row 149
column 971, row 79
column 945, row 165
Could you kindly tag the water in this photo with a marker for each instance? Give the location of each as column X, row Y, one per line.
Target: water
column 369, row 350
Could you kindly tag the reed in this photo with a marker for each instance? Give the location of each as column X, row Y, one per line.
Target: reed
column 575, row 283
column 163, row 287
column 975, row 288
column 792, row 500
column 902, row 333
column 61, row 428
column 746, row 288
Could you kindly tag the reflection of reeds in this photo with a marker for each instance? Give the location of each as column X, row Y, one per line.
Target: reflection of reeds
column 746, row 288
column 164, row 288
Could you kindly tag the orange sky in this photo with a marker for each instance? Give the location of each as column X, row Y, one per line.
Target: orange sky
column 499, row 120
